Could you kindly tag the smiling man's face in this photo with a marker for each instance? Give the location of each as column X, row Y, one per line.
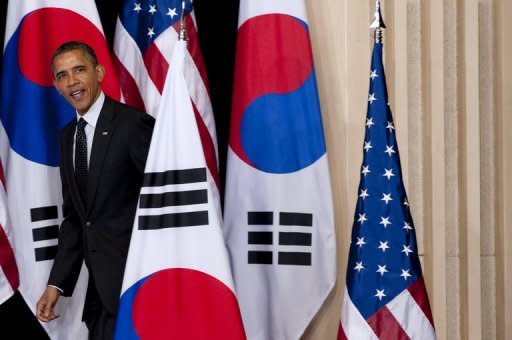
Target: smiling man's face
column 77, row 79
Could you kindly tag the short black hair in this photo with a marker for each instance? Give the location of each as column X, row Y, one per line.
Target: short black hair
column 76, row 45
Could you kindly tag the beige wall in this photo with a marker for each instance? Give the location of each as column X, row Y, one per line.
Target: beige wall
column 449, row 72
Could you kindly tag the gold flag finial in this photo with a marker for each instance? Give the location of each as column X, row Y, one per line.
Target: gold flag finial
column 183, row 29
column 378, row 23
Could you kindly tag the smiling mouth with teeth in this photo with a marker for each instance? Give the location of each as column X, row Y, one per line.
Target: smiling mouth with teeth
column 76, row 93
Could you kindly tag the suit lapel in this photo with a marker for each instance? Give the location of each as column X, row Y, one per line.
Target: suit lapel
column 101, row 141
column 69, row 172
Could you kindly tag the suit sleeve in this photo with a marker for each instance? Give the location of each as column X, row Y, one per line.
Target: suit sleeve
column 69, row 259
column 140, row 141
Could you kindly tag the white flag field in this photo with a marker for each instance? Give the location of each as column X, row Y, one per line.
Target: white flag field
column 178, row 282
column 278, row 207
column 32, row 114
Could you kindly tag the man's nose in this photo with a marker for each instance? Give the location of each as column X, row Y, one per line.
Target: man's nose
column 72, row 79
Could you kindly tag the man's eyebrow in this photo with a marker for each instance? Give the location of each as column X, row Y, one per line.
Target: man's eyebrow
column 73, row 68
column 60, row 73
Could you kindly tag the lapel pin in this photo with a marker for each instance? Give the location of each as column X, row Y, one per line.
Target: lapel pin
column 104, row 133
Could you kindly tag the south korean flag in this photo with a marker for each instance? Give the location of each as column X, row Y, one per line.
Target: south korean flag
column 178, row 282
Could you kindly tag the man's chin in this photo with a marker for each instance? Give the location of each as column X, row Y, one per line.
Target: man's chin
column 80, row 111
column 79, row 107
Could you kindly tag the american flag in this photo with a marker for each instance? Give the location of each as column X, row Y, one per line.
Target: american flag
column 146, row 33
column 9, row 276
column 385, row 295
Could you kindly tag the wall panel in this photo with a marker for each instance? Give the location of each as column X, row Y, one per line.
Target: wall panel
column 503, row 127
column 449, row 70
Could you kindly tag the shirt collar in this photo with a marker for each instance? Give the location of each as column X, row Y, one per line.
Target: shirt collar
column 91, row 116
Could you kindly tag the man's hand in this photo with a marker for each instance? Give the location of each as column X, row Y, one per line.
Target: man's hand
column 46, row 304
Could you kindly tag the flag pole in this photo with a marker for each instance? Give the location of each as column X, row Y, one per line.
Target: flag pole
column 378, row 22
column 183, row 29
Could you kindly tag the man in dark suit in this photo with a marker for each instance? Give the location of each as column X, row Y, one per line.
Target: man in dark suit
column 103, row 152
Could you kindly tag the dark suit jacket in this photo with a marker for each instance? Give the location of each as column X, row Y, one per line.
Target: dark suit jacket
column 99, row 232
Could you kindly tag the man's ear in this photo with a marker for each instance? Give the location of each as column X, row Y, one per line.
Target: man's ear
column 55, row 85
column 100, row 71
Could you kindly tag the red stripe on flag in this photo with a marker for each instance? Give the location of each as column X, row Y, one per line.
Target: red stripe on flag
column 156, row 65
column 386, row 326
column 7, row 261
column 194, row 49
column 208, row 147
column 129, row 88
column 341, row 333
column 419, row 293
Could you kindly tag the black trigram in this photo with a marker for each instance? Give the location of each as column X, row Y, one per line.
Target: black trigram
column 193, row 195
column 50, row 232
column 285, row 238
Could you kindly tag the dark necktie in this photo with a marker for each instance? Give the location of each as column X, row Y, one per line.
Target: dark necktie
column 81, row 160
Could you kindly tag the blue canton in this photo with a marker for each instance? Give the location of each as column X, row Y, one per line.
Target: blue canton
column 147, row 19
column 383, row 258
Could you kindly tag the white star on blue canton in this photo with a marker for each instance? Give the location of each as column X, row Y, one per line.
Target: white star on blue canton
column 171, row 12
column 380, row 293
column 360, row 242
column 389, row 173
column 364, row 194
column 369, row 122
column 407, row 226
column 386, row 198
column 372, row 98
column 407, row 250
column 384, row 221
column 373, row 74
column 390, row 127
column 151, row 32
column 383, row 246
column 367, row 146
column 359, row 266
column 382, row 270
column 390, row 150
column 362, row 218
column 137, row 7
column 152, row 9
column 405, row 274
column 366, row 170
